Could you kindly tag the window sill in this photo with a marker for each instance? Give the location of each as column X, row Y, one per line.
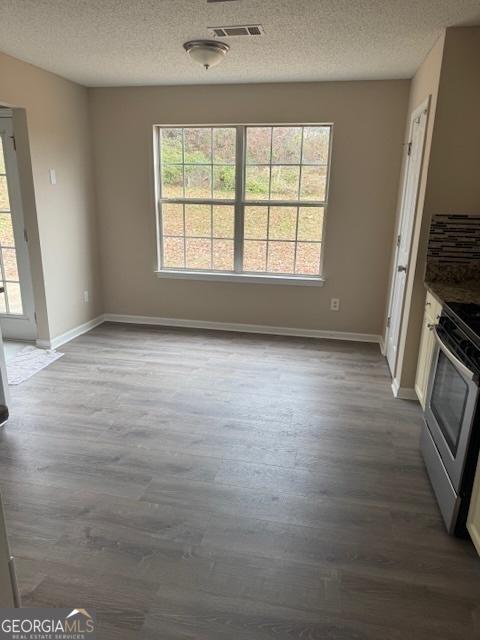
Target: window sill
column 242, row 277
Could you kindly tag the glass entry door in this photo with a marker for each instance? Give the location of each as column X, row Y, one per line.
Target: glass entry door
column 17, row 317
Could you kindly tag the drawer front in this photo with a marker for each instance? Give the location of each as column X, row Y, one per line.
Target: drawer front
column 447, row 499
column 433, row 308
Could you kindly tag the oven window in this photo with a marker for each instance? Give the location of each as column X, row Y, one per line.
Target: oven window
column 449, row 396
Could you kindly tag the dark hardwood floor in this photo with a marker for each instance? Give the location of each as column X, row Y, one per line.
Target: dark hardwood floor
column 211, row 486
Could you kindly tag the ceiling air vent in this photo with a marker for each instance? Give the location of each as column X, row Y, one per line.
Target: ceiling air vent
column 237, row 30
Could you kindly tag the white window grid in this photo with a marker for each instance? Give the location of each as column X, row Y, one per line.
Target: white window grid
column 240, row 202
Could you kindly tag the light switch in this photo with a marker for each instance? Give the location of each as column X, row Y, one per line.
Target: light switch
column 53, row 176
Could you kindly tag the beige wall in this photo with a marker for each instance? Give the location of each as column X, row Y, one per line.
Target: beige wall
column 64, row 243
column 454, row 172
column 368, row 122
column 425, row 83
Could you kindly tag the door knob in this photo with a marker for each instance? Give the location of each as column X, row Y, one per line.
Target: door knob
column 401, row 268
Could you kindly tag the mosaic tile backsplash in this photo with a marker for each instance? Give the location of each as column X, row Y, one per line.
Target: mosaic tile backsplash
column 454, row 247
column 454, row 238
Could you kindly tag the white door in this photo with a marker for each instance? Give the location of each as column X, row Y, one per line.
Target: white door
column 405, row 231
column 17, row 313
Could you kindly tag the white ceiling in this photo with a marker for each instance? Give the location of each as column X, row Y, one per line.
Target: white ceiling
column 135, row 42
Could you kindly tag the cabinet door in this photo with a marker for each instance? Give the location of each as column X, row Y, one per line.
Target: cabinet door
column 473, row 520
column 7, row 594
column 424, row 361
column 433, row 310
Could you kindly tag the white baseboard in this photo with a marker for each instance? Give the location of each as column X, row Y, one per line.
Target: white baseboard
column 404, row 393
column 71, row 334
column 206, row 324
column 244, row 328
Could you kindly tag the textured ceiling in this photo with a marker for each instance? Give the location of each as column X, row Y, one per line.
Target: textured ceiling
column 135, row 42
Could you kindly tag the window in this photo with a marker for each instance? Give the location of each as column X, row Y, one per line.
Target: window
column 243, row 200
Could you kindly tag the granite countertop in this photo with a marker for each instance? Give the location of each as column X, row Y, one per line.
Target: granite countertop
column 454, row 281
column 447, row 291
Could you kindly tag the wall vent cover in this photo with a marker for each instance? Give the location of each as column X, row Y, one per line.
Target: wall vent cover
column 237, row 30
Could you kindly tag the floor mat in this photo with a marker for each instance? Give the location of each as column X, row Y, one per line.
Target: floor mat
column 29, row 361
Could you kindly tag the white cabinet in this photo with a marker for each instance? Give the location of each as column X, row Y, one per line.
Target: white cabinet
column 8, row 589
column 473, row 520
column 433, row 310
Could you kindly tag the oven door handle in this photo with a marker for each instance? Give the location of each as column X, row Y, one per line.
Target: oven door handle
column 453, row 359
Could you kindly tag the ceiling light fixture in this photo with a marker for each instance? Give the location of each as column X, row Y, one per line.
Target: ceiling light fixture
column 208, row 53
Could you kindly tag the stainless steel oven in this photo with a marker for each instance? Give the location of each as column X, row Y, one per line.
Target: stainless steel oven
column 450, row 438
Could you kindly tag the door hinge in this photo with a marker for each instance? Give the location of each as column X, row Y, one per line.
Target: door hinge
column 35, row 317
column 388, row 321
column 409, row 149
column 25, row 234
column 399, row 237
column 14, row 143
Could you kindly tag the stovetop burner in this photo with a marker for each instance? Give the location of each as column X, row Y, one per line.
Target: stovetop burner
column 468, row 316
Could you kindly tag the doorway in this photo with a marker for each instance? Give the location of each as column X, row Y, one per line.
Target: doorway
column 408, row 208
column 17, row 312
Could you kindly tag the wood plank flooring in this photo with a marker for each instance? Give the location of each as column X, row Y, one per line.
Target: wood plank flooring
column 212, row 486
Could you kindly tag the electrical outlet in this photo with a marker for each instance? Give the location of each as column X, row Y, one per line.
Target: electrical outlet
column 53, row 176
column 335, row 304
column 85, row 295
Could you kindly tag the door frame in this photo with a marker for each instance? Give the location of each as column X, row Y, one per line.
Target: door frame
column 423, row 107
column 17, row 326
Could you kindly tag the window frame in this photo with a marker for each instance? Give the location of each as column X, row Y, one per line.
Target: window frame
column 239, row 202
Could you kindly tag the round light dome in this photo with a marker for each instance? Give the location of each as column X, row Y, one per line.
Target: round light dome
column 208, row 53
